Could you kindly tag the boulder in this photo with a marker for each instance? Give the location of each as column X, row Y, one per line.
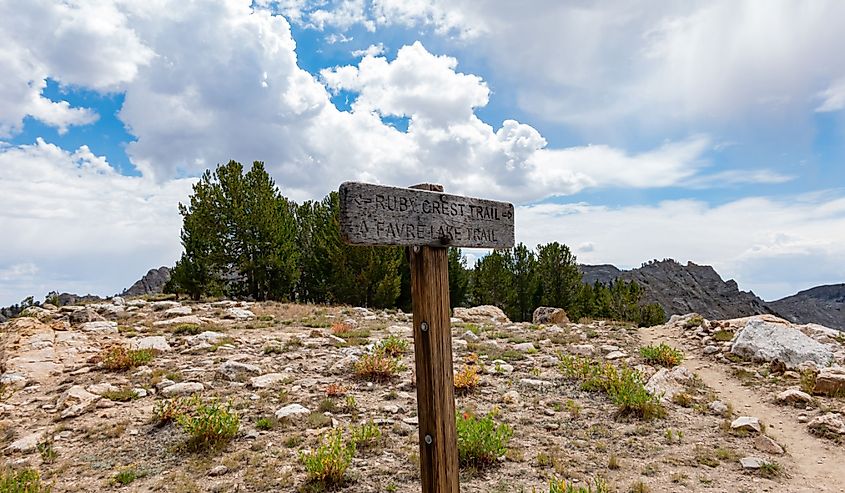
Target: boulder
column 794, row 396
column 102, row 327
column 549, row 316
column 267, row 381
column 182, row 388
column 76, row 401
column 525, row 347
column 83, row 315
column 156, row 343
column 238, row 313
column 760, row 340
column 746, row 423
column 178, row 311
column 829, row 424
column 187, row 319
column 293, row 412
column 582, row 349
column 666, row 383
column 163, row 305
column 751, row 463
column 482, row 314
column 235, row 371
column 767, row 445
column 37, row 312
column 830, row 381
column 26, row 444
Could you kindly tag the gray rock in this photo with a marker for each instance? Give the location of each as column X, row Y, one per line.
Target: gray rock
column 525, row 347
column 711, row 350
column 666, row 382
column 152, row 283
column 615, row 355
column 499, row 366
column 765, row 341
column 157, row 343
column 76, row 401
column 536, row 383
column 26, row 444
column 751, row 463
column 293, row 412
column 582, row 350
column 83, row 315
column 470, row 336
column 718, row 407
column 102, row 388
column 187, row 319
column 267, row 381
column 794, row 396
column 178, row 311
column 218, row 470
column 236, row 371
column 548, row 315
column 511, row 397
column 827, row 424
column 482, row 314
column 238, row 313
column 158, row 306
column 747, row 423
column 767, row 445
column 182, row 388
column 102, row 327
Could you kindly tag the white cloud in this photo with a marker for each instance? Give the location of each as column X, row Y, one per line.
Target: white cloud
column 73, row 223
column 833, row 98
column 773, row 246
column 372, row 50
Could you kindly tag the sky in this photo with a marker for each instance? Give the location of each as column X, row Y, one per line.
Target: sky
column 709, row 131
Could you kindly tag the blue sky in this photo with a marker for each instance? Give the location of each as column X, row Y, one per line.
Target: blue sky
column 710, row 132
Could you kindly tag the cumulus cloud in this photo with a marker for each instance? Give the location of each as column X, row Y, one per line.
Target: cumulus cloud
column 833, row 98
column 72, row 222
column 759, row 241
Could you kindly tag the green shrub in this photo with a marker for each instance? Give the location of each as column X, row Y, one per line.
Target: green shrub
column 119, row 358
column 723, row 335
column 209, row 425
column 377, row 366
column 21, row 481
column 187, row 329
column 125, row 476
column 327, row 464
column 694, row 321
column 121, row 395
column 264, row 424
column 480, row 440
column 662, row 355
column 367, row 435
column 46, row 450
column 598, row 485
column 624, row 386
column 169, row 410
column 394, row 346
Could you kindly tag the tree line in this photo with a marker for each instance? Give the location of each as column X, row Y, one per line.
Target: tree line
column 242, row 238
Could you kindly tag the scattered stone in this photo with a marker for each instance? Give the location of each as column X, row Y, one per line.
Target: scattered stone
column 830, row 381
column 794, row 396
column 103, row 327
column 827, row 424
column 718, row 407
column 209, row 336
column 525, row 347
column 182, row 388
column 499, row 366
column 178, row 311
column 156, row 343
column 761, row 340
column 746, row 423
column 482, row 314
column 163, row 305
column 511, row 397
column 548, row 315
column 84, row 315
column 582, row 350
column 667, row 382
column 26, row 444
column 102, row 388
column 470, row 336
column 187, row 319
column 614, row 355
column 711, row 350
column 267, row 381
column 459, row 344
column 767, row 445
column 238, row 313
column 751, row 463
column 293, row 412
column 236, row 371
column 76, row 401
column 539, row 384
column 218, row 470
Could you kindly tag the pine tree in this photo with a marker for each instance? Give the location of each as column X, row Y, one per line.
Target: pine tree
column 458, row 277
column 558, row 275
column 522, row 296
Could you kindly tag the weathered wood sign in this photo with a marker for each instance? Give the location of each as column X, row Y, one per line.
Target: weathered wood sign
column 380, row 215
column 427, row 221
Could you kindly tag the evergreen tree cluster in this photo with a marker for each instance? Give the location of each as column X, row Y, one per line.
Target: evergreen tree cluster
column 518, row 280
column 242, row 238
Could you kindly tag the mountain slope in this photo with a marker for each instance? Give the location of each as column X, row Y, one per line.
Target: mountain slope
column 823, row 305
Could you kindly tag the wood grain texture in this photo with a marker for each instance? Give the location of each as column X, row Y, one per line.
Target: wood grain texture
column 433, row 359
column 379, row 215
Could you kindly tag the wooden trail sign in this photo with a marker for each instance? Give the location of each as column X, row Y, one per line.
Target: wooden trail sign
column 427, row 220
column 379, row 215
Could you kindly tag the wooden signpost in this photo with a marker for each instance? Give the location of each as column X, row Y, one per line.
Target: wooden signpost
column 426, row 221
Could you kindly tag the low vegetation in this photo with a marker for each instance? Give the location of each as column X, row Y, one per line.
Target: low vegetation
column 120, row 358
column 481, row 441
column 377, row 366
column 662, row 355
column 624, row 386
column 209, row 425
column 466, row 379
column 327, row 464
column 597, row 485
column 21, row 481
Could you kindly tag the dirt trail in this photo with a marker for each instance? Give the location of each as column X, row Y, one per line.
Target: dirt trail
column 813, row 464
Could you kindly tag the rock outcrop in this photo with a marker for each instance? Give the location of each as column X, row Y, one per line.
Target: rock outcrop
column 152, row 283
column 766, row 341
column 823, row 305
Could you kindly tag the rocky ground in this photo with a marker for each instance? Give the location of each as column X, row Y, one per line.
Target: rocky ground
column 736, row 419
